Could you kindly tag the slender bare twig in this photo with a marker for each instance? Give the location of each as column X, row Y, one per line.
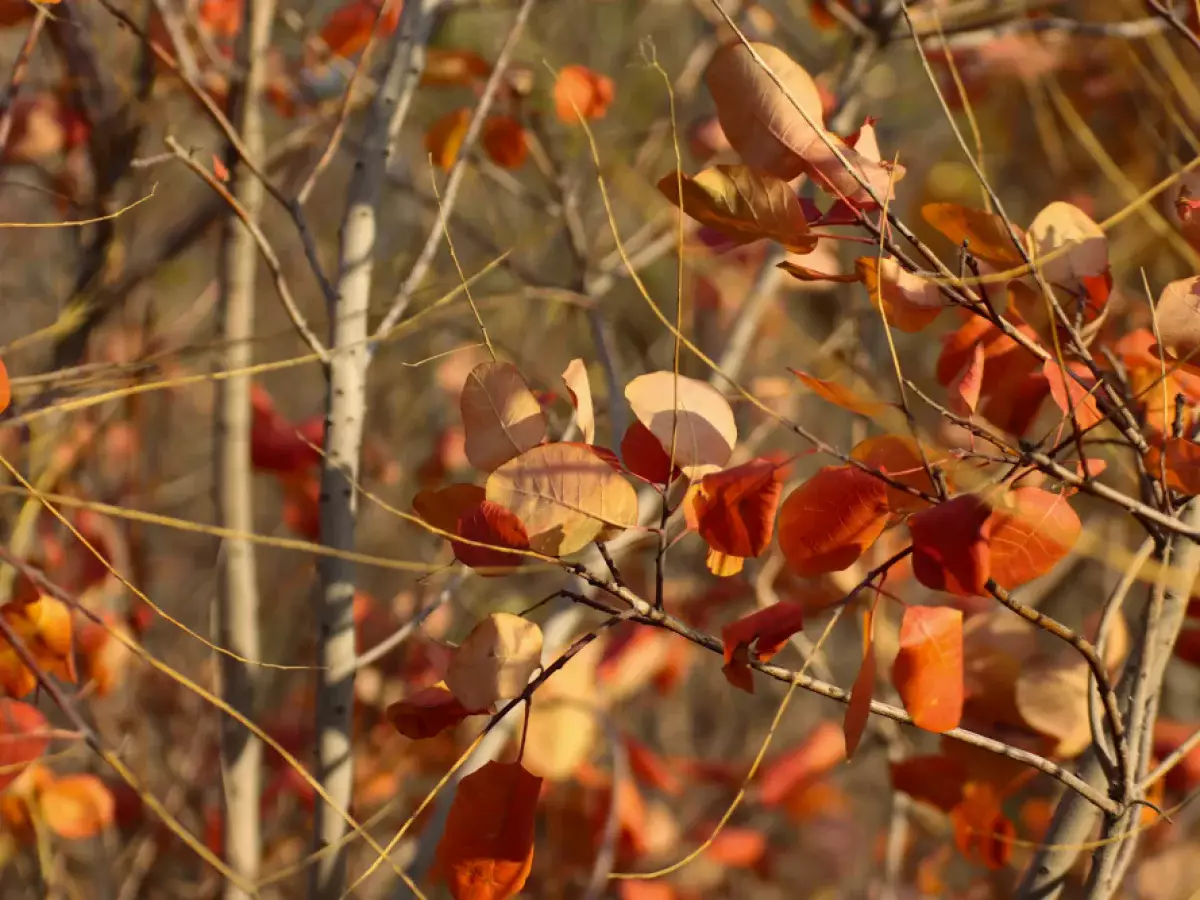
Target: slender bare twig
column 1173, row 21
column 20, row 66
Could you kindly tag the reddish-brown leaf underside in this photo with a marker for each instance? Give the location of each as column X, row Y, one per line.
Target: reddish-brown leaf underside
column 950, row 546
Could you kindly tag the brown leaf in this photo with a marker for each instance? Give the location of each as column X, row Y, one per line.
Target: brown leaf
column 686, row 413
column 743, row 205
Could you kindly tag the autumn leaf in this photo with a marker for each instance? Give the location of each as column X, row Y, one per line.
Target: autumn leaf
column 348, row 28
column 840, row 395
column 761, row 123
column 1072, row 397
column 858, row 710
column 828, row 522
column 76, row 807
column 486, row 850
column 277, row 445
column 5, row 388
column 453, row 68
column 575, row 377
column 566, row 495
column 501, row 416
column 43, row 626
column 445, row 138
column 1051, row 698
column 981, row 831
column 1178, row 314
column 688, row 414
column 22, row 738
column 443, row 507
column 804, row 273
column 495, row 662
column 909, row 302
column 743, row 205
column 1182, row 464
column 428, row 712
column 734, row 510
column 899, row 457
column 645, row 457
column 951, row 546
column 795, row 769
column 564, row 718
column 758, row 636
column 937, row 780
column 928, row 671
column 1062, row 228
column 983, row 234
column 1030, row 532
column 580, row 88
column 220, row 18
column 968, row 385
column 490, row 523
column 504, row 142
column 651, row 769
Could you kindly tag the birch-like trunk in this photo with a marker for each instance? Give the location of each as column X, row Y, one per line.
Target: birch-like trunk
column 237, row 597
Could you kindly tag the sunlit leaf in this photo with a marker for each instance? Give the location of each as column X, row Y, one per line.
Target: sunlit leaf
column 1070, row 396
column 840, row 395
column 688, row 414
column 443, row 507
column 496, row 661
column 490, row 523
column 580, row 88
column 566, row 495
column 453, row 68
column 743, row 205
column 1064, row 228
column 928, row 671
column 899, row 457
column 1182, row 464
column 829, row 521
column 1051, row 697
column 348, row 28
column 734, row 510
column 77, row 807
column 1178, row 313
column 575, row 377
column 564, row 718
column 983, row 233
column 1031, row 530
column 909, row 301
column 501, row 416
column 486, row 850
column 758, row 636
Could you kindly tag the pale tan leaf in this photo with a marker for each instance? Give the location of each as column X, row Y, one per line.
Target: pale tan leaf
column 744, row 205
column 693, row 412
column 761, row 123
column 501, row 416
column 565, row 494
column 495, row 662
column 1066, row 229
column 1051, row 697
column 1178, row 312
column 575, row 377
column 564, row 718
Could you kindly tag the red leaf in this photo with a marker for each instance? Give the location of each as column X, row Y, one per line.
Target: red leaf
column 767, row 629
column 428, row 712
column 644, row 455
column 928, row 671
column 651, row 769
column 445, row 137
column 504, row 141
column 442, row 508
column 950, row 546
column 277, row 445
column 348, row 28
column 1031, row 531
column 490, row 523
column 936, row 780
column 899, row 457
column 799, row 767
column 828, row 522
column 858, row 710
column 734, row 510
column 22, row 738
column 486, row 851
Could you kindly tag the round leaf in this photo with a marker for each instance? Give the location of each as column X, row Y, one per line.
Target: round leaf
column 694, row 411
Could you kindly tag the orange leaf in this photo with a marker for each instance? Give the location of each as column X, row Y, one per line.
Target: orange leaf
column 909, row 302
column 77, row 807
column 1070, row 396
column 428, row 712
column 504, row 142
column 829, row 521
column 839, row 395
column 966, row 387
column 486, row 851
column 734, row 510
column 645, row 457
column 22, row 738
column 496, row 661
column 445, row 137
column 858, row 710
column 737, row 847
column 443, row 507
column 44, row 627
column 5, row 387
column 221, row 18
column 928, row 672
column 799, row 767
column 348, row 28
column 1031, row 531
column 1182, row 464
column 490, row 523
column 984, row 233
column 950, row 546
column 898, row 457
column 767, row 629
column 981, row 831
column 578, row 87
